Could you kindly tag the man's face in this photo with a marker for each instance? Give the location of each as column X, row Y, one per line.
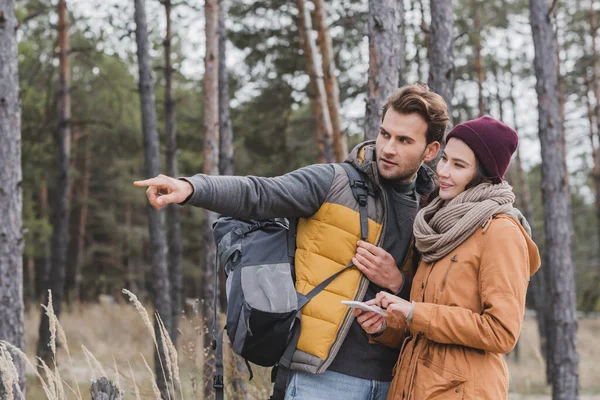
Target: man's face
column 402, row 146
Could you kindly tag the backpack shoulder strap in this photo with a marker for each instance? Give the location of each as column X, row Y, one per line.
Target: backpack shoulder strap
column 360, row 190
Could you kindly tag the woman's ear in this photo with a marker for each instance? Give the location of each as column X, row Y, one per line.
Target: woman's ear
column 431, row 151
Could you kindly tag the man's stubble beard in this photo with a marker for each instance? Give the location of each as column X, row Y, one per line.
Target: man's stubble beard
column 407, row 173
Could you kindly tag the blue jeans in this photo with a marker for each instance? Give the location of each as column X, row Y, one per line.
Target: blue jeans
column 332, row 385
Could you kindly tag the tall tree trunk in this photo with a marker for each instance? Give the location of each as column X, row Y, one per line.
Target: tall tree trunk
column 11, row 194
column 424, row 29
column 324, row 132
column 83, row 215
column 173, row 219
column 441, row 59
column 595, row 66
column 225, row 132
column 562, row 331
column 161, row 293
column 594, row 144
column 61, row 208
column 384, row 57
column 211, row 167
column 537, row 284
column 478, row 58
column 332, row 90
column 47, row 261
column 562, row 96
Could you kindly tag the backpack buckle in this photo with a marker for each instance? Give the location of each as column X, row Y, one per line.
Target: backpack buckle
column 362, row 200
column 218, row 382
column 359, row 184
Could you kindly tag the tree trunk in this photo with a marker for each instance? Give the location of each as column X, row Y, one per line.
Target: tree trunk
column 324, row 131
column 441, row 59
column 211, row 167
column 384, row 57
column 536, row 289
column 595, row 68
column 425, row 30
column 161, row 293
column 562, row 98
column 47, row 262
column 173, row 223
column 83, row 215
column 478, row 58
column 595, row 156
column 225, row 131
column 562, row 330
column 61, row 208
column 11, row 193
column 332, row 90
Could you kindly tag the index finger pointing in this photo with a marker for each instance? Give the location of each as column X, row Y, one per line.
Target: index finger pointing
column 150, row 182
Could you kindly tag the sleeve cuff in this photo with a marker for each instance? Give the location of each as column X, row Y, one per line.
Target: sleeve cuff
column 191, row 194
column 422, row 314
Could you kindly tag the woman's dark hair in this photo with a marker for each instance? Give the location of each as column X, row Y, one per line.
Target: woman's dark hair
column 479, row 177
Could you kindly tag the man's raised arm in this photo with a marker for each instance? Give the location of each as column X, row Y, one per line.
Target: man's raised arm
column 299, row 193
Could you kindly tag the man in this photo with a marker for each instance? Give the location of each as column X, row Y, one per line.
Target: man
column 334, row 358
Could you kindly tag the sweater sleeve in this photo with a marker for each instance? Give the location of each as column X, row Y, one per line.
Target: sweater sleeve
column 299, row 193
column 503, row 280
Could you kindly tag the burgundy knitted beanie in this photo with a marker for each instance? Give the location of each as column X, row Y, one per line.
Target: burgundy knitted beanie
column 492, row 142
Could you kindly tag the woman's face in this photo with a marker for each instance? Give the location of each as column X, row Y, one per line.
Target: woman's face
column 456, row 168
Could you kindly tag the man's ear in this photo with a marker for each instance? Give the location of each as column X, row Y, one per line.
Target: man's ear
column 431, row 151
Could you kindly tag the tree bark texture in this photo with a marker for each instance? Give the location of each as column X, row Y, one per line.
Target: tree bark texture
column 11, row 192
column 384, row 57
column 161, row 293
column 61, row 207
column 83, row 217
column 226, row 166
column 441, row 59
column 332, row 90
column 173, row 218
column 320, row 110
column 480, row 74
column 560, row 289
column 211, row 167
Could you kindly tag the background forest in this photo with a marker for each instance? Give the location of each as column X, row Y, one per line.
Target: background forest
column 115, row 91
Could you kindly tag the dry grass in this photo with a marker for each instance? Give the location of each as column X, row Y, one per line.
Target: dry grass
column 114, row 337
column 528, row 375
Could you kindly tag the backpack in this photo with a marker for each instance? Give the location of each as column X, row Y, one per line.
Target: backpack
column 263, row 306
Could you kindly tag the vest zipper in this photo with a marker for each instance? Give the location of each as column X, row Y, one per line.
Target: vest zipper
column 362, row 289
column 453, row 260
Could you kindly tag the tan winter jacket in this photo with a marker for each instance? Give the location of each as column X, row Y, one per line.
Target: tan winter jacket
column 469, row 309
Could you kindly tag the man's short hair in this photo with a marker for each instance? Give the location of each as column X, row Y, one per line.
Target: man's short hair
column 418, row 98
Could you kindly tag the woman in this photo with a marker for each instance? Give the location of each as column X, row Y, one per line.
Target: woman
column 468, row 294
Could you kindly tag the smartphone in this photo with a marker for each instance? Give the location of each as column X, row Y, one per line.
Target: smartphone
column 364, row 306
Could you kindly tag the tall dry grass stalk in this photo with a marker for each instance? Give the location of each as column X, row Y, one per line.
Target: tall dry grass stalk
column 136, row 389
column 23, row 356
column 9, row 373
column 91, row 359
column 144, row 314
column 154, row 385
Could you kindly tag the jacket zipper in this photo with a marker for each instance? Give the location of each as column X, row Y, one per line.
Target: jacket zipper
column 453, row 260
column 362, row 289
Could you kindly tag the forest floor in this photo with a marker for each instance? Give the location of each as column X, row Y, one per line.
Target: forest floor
column 117, row 336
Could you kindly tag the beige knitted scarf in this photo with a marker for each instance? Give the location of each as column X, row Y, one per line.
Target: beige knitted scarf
column 442, row 226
